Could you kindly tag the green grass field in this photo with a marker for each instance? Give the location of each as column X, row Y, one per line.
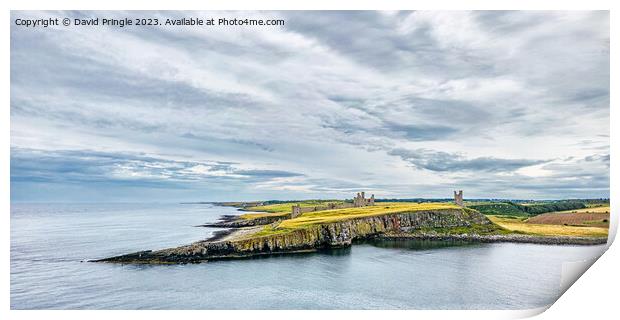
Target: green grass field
column 497, row 208
column 507, row 208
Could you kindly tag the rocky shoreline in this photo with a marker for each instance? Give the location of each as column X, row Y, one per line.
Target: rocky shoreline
column 233, row 221
column 515, row 238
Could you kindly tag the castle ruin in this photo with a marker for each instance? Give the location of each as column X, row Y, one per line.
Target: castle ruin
column 296, row 211
column 458, row 198
column 359, row 201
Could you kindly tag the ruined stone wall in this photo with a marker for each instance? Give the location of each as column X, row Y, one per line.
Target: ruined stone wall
column 298, row 210
column 358, row 201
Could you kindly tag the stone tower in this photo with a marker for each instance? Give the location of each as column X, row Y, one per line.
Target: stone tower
column 296, row 211
column 458, row 198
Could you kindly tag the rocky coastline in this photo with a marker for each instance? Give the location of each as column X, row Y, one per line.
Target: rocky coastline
column 233, row 221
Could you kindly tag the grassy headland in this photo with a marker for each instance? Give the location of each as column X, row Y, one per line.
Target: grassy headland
column 334, row 228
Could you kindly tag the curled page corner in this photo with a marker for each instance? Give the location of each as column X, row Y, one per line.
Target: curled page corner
column 573, row 270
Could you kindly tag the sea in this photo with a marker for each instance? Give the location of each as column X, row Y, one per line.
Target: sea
column 51, row 244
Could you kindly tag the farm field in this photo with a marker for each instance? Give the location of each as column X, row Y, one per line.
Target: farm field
column 601, row 209
column 587, row 217
column 520, row 225
column 572, row 219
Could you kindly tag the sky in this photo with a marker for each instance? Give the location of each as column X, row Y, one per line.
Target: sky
column 500, row 104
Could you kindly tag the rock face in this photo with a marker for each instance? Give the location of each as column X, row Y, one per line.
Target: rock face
column 313, row 237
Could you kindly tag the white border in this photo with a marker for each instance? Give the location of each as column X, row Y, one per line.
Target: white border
column 593, row 296
column 314, row 5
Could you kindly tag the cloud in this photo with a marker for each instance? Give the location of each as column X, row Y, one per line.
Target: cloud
column 444, row 161
column 422, row 132
column 604, row 158
column 92, row 166
column 330, row 102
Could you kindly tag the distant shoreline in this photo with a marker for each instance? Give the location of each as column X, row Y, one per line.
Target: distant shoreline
column 512, row 238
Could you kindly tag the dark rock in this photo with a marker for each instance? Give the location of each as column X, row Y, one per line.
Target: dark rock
column 230, row 221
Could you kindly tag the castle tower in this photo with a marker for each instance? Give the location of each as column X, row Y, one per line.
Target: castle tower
column 371, row 201
column 359, row 200
column 458, row 198
column 295, row 211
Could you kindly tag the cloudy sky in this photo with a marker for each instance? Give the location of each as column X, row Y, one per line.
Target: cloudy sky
column 400, row 104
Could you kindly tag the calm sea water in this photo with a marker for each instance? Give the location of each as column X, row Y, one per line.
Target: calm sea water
column 48, row 241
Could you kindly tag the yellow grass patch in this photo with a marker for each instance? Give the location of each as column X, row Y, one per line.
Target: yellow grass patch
column 587, row 210
column 379, row 209
column 547, row 229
